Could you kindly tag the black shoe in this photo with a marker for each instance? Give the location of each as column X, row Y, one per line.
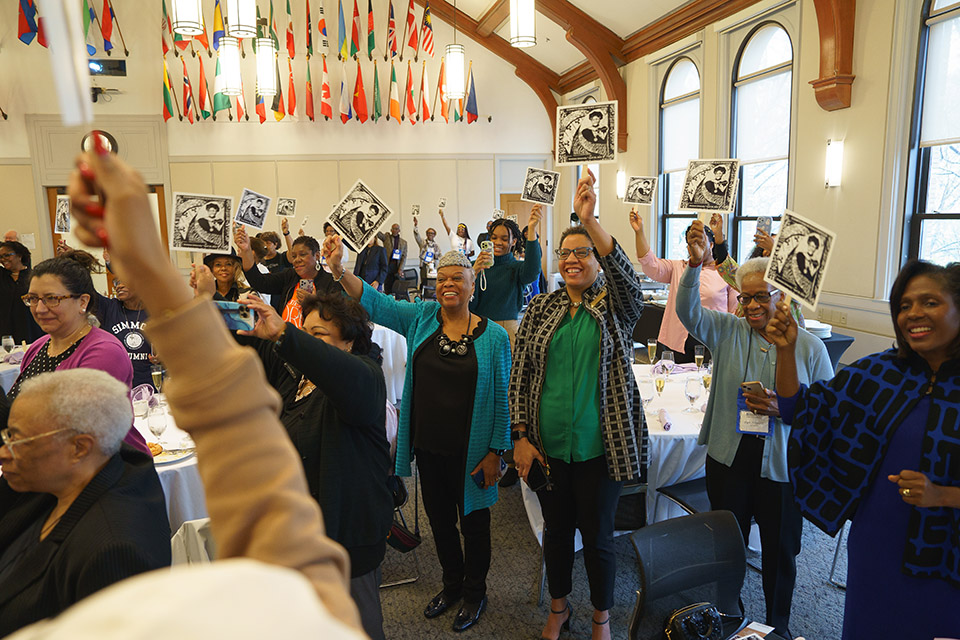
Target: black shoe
column 469, row 614
column 440, row 603
column 510, row 477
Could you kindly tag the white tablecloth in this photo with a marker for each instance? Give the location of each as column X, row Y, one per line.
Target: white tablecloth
column 394, row 348
column 8, row 375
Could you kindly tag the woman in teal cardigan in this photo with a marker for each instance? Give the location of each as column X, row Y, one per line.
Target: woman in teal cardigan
column 453, row 417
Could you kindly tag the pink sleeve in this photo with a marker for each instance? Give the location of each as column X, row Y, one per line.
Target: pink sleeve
column 732, row 302
column 107, row 354
column 657, row 268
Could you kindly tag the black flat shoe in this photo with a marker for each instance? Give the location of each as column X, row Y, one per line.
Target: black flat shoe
column 469, row 614
column 566, row 623
column 439, row 604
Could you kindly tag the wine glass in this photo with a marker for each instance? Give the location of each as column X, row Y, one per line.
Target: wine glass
column 8, row 343
column 698, row 356
column 157, row 422
column 666, row 359
column 708, row 377
column 691, row 389
column 140, row 408
column 156, row 372
column 660, row 380
column 646, row 391
column 652, row 350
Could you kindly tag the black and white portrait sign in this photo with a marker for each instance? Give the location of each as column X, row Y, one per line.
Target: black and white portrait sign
column 640, row 190
column 497, row 214
column 710, row 185
column 540, row 186
column 442, row 203
column 586, row 133
column 253, row 208
column 61, row 223
column 286, row 207
column 799, row 258
column 415, row 209
column 201, row 223
column 360, row 214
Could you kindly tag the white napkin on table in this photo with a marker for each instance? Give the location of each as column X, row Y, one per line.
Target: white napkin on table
column 665, row 420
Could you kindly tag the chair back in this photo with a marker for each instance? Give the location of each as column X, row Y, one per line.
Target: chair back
column 193, row 543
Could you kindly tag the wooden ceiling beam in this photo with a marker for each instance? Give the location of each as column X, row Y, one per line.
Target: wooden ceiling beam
column 835, row 19
column 491, row 20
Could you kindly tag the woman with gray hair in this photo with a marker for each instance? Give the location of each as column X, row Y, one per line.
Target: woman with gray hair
column 453, row 418
column 745, row 437
column 78, row 510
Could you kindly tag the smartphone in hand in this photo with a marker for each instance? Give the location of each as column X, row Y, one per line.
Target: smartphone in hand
column 237, row 316
column 753, row 388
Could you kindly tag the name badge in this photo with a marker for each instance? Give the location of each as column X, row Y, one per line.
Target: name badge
column 749, row 422
column 396, row 254
column 428, row 257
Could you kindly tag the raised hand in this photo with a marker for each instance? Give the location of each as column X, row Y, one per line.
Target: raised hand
column 332, row 251
column 241, row 239
column 716, row 225
column 696, row 243
column 782, row 328
column 483, row 261
column 764, row 241
column 585, row 200
column 269, row 326
column 284, row 226
column 202, row 280
column 415, row 222
column 536, row 212
column 635, row 220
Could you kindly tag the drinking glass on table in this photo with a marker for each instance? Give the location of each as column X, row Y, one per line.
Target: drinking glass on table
column 691, row 389
column 652, row 350
column 660, row 380
column 156, row 372
column 8, row 343
column 140, row 408
column 698, row 356
column 646, row 391
column 157, row 422
column 708, row 377
column 668, row 362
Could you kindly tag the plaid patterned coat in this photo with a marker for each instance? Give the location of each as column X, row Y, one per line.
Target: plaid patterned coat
column 615, row 302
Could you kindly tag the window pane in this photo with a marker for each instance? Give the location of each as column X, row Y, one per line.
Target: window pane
column 763, row 191
column 941, row 86
column 674, row 189
column 682, row 79
column 943, row 4
column 680, row 136
column 768, row 47
column 675, row 243
column 763, row 118
column 940, row 241
column 746, row 245
column 943, row 182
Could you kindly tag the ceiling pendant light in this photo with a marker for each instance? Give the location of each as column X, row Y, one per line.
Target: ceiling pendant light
column 455, row 58
column 242, row 18
column 523, row 23
column 229, row 60
column 266, row 67
column 187, row 17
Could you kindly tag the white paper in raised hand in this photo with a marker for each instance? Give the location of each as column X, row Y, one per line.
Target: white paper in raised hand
column 68, row 59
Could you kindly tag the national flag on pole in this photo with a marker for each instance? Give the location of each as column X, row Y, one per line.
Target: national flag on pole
column 309, row 35
column 394, row 96
column 355, row 31
column 168, row 96
column 261, row 109
column 27, row 22
column 342, row 40
column 89, row 17
column 392, row 33
column 371, row 32
column 241, row 105
column 221, row 100
column 377, row 107
column 291, row 91
column 471, row 108
column 458, row 110
column 309, row 103
column 279, row 112
column 203, row 106
column 442, row 91
column 412, row 40
column 106, row 25
column 426, row 33
column 187, row 93
column 272, row 24
column 322, row 27
column 326, row 105
column 345, row 112
column 359, row 97
column 218, row 30
column 291, row 50
column 424, row 95
column 202, row 38
column 166, row 30
column 410, row 105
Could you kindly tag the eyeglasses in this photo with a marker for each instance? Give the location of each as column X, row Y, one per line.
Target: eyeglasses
column 762, row 298
column 579, row 252
column 9, row 440
column 50, row 301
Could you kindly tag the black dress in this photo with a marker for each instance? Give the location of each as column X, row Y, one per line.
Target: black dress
column 15, row 317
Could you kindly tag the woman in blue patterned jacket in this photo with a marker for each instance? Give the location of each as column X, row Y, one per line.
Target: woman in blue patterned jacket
column 453, row 418
column 578, row 410
column 879, row 445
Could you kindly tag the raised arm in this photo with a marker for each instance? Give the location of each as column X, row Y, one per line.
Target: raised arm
column 530, row 269
column 416, row 233
column 782, row 331
column 444, row 221
column 287, row 238
column 640, row 236
column 242, row 242
column 584, row 204
column 653, row 267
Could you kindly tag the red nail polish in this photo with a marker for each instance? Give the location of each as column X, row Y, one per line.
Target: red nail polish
column 94, row 209
column 102, row 234
column 86, row 172
column 99, row 143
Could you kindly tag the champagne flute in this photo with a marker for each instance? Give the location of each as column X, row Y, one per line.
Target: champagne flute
column 707, row 377
column 698, row 356
column 652, row 350
column 8, row 343
column 646, row 391
column 660, row 380
column 156, row 372
column 691, row 389
column 666, row 358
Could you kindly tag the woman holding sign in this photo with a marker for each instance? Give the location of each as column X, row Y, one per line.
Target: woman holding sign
column 576, row 412
column 746, row 440
column 878, row 445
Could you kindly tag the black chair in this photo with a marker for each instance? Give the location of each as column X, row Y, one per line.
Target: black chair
column 682, row 561
column 406, row 280
column 691, row 496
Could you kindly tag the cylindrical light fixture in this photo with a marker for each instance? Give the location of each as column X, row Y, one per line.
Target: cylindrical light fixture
column 187, row 17
column 621, row 184
column 455, row 62
column 523, row 23
column 266, row 67
column 242, row 18
column 230, row 66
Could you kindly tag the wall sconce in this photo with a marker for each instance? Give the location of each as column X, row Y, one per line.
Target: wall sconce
column 834, row 164
column 229, row 62
column 187, row 17
column 266, row 67
column 523, row 23
column 621, row 184
column 242, row 18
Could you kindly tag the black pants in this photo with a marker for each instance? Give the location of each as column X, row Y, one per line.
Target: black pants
column 740, row 489
column 393, row 268
column 464, row 570
column 583, row 497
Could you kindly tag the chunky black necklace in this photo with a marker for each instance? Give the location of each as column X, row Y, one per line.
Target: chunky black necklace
column 460, row 347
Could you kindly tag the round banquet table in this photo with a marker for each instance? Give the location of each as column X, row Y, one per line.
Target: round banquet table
column 394, row 350
column 8, row 375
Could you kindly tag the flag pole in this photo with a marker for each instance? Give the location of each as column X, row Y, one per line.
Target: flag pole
column 206, row 86
column 433, row 110
column 386, row 45
column 3, row 113
column 126, row 52
column 403, row 41
column 243, row 53
column 416, row 51
column 100, row 27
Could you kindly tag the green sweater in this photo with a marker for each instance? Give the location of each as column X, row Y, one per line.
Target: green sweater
column 503, row 297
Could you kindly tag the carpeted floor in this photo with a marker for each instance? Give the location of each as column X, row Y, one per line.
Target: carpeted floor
column 512, row 610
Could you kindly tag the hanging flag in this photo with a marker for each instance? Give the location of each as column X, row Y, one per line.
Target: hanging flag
column 458, row 110
column 168, row 96
column 221, row 100
column 411, row 27
column 187, row 93
column 326, row 106
column 359, row 96
column 203, row 106
column 394, row 96
column 279, row 112
column 218, row 30
column 292, row 91
column 27, row 22
column 322, row 27
column 377, row 108
column 471, row 108
column 202, row 38
column 242, row 105
column 371, row 32
column 391, row 35
column 345, row 112
column 89, row 17
column 355, row 31
column 272, row 24
column 424, row 95
column 426, row 33
column 309, row 103
column 344, row 48
column 261, row 109
column 442, row 92
column 409, row 104
column 106, row 25
column 291, row 50
column 309, row 36
column 166, row 31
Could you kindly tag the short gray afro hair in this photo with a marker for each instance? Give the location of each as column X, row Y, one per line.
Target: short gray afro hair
column 751, row 266
column 88, row 400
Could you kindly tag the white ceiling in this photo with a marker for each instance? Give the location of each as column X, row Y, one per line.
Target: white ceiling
column 552, row 48
column 624, row 17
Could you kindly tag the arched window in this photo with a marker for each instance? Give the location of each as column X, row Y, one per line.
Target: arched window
column 762, row 94
column 934, row 223
column 679, row 143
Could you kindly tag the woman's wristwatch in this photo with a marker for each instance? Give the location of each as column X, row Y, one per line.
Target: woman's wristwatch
column 516, row 434
column 498, row 452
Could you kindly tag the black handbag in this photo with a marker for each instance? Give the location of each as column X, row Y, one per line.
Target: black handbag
column 699, row 621
column 400, row 537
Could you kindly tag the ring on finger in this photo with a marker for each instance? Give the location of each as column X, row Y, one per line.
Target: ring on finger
column 906, row 493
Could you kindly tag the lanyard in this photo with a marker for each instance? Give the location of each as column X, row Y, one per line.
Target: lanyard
column 763, row 366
